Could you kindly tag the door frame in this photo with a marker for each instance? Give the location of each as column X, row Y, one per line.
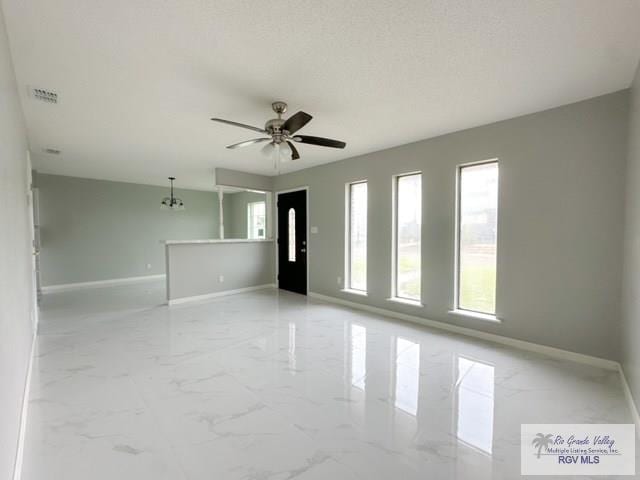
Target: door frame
column 32, row 204
column 304, row 188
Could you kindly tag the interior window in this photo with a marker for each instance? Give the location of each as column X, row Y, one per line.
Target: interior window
column 257, row 220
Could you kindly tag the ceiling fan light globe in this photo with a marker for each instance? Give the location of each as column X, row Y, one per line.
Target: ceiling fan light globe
column 285, row 152
column 268, row 150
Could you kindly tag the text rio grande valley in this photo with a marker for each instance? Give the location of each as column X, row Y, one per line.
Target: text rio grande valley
column 585, row 450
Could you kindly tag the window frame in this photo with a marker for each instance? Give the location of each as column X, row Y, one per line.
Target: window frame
column 458, row 217
column 347, row 225
column 251, row 216
column 394, row 240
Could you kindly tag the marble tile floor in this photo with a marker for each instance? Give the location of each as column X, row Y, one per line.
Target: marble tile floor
column 274, row 386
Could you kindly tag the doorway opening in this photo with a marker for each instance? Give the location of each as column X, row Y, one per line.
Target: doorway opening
column 292, row 246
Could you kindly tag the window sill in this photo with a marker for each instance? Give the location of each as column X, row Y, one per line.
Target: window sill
column 475, row 315
column 361, row 293
column 406, row 301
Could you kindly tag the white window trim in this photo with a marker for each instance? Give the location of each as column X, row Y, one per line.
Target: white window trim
column 361, row 293
column 347, row 237
column 394, row 241
column 487, row 317
column 249, row 218
column 406, row 301
column 457, row 310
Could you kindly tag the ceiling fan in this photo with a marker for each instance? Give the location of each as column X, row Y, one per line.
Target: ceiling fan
column 281, row 134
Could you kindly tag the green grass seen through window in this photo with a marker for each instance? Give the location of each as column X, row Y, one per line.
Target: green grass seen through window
column 477, row 287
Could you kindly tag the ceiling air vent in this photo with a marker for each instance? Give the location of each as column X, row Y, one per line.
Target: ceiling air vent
column 44, row 95
column 52, row 151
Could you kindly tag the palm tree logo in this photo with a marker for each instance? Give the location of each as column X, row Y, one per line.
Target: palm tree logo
column 542, row 441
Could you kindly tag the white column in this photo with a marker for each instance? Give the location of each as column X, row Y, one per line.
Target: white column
column 221, row 212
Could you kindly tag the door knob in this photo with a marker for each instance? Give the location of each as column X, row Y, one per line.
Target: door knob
column 303, row 250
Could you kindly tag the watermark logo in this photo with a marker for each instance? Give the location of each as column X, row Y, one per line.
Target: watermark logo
column 542, row 441
column 577, row 449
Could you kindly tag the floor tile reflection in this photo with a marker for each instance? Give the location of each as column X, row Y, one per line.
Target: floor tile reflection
column 272, row 385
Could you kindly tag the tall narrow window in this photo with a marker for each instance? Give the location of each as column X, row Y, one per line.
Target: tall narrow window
column 256, row 220
column 477, row 237
column 408, row 226
column 356, row 274
column 292, row 235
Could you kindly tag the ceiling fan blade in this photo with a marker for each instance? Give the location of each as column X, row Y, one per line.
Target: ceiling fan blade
column 294, row 151
column 249, row 142
column 323, row 142
column 241, row 125
column 296, row 122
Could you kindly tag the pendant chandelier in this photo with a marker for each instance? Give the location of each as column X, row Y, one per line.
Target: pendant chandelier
column 172, row 202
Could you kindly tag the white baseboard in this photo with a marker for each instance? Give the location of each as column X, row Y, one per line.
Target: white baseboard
column 491, row 337
column 629, row 396
column 17, row 467
column 100, row 283
column 207, row 296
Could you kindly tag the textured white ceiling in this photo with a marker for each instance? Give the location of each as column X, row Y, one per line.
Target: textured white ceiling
column 138, row 80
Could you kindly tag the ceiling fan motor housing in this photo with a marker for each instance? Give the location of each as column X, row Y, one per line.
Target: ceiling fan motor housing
column 274, row 125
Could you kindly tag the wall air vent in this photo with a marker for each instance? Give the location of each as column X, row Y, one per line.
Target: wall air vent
column 44, row 95
column 51, row 151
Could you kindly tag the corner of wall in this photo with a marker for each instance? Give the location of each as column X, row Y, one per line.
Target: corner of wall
column 630, row 302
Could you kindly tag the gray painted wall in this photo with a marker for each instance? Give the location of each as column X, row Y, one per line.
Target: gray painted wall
column 16, row 292
column 234, row 178
column 235, row 212
column 630, row 329
column 195, row 269
column 560, row 222
column 99, row 230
